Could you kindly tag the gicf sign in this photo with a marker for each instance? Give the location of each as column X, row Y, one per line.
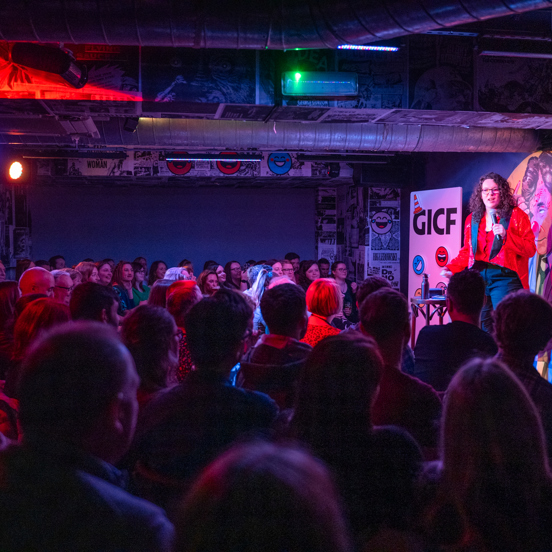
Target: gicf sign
column 436, row 228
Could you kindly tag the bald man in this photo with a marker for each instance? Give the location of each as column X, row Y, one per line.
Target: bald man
column 37, row 280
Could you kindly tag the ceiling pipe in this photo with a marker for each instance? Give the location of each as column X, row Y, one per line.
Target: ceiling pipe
column 241, row 24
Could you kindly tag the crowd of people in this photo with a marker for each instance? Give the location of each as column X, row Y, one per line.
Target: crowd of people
column 272, row 406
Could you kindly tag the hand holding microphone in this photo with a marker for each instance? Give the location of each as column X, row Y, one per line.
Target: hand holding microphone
column 498, row 230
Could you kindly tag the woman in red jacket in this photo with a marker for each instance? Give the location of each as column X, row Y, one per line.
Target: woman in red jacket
column 498, row 242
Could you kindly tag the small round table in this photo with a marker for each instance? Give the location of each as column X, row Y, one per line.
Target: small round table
column 428, row 308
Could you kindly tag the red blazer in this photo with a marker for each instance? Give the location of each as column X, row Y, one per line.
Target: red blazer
column 517, row 249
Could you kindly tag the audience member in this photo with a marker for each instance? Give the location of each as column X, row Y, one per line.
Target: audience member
column 287, row 270
column 21, row 266
column 57, row 262
column 495, row 490
column 95, row 302
column 441, row 350
column 208, row 282
column 308, row 272
column 37, row 317
column 143, row 262
column 294, row 259
column 122, row 284
column 262, row 496
column 89, row 272
column 153, row 339
column 177, row 273
column 324, row 267
column 23, row 301
column 235, row 279
column 324, row 301
column 259, row 277
column 157, row 272
column 105, row 272
column 59, row 490
column 523, row 328
column 2, row 272
column 185, row 428
column 375, row 468
column 348, row 289
column 75, row 275
column 63, row 286
column 140, row 290
column 273, row 365
column 180, row 299
column 37, row 280
column 276, row 267
column 9, row 294
column 159, row 292
column 43, row 264
column 188, row 266
column 403, row 400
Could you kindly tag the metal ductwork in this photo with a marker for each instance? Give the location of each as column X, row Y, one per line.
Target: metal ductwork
column 247, row 24
column 236, row 135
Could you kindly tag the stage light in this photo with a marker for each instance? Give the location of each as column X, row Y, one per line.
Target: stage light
column 51, row 60
column 16, row 170
column 170, row 158
column 319, row 83
column 131, row 124
column 368, row 47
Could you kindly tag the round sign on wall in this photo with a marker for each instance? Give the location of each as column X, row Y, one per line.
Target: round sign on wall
column 179, row 167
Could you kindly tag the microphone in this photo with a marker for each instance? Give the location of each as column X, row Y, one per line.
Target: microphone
column 492, row 212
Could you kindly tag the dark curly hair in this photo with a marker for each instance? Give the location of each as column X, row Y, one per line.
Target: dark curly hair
column 507, row 201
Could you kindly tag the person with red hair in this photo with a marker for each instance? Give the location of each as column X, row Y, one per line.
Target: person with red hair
column 324, row 301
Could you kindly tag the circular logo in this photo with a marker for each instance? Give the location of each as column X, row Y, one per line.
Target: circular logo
column 279, row 162
column 441, row 256
column 179, row 167
column 381, row 222
column 442, row 285
column 228, row 167
column 418, row 292
column 418, row 264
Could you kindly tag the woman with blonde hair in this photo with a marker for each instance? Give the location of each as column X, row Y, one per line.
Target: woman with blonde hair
column 324, row 301
column 89, row 272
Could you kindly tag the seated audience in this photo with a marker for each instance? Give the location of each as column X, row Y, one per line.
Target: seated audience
column 259, row 277
column 122, row 284
column 324, row 301
column 186, row 427
column 276, row 267
column 348, row 289
column 181, row 298
column 156, row 272
column 105, row 272
column 441, row 350
column 63, row 286
column 37, row 317
column 374, row 468
column 402, row 400
column 263, row 497
column 523, row 328
column 324, row 267
column 43, row 264
column 273, row 365
column 153, row 339
column 143, row 262
column 287, row 270
column 140, row 290
column 235, row 278
column 9, row 294
column 188, row 266
column 95, row 302
column 294, row 259
column 159, row 292
column 75, row 275
column 495, row 491
column 177, row 273
column 89, row 272
column 308, row 272
column 37, row 280
column 59, row 490
column 208, row 282
column 57, row 262
column 21, row 266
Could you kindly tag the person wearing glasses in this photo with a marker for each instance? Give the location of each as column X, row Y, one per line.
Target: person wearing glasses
column 63, row 286
column 348, row 290
column 288, row 270
column 139, row 289
column 498, row 242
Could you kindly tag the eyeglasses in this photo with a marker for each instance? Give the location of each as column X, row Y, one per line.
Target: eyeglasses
column 289, row 270
column 69, row 289
column 490, row 191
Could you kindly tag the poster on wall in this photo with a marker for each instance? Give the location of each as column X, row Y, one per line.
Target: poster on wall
column 436, row 228
column 326, row 224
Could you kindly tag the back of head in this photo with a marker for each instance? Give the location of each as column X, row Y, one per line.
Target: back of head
column 23, row 301
column 384, row 315
column 148, row 333
column 177, row 273
column 21, row 266
column 215, row 330
column 466, row 290
column 159, row 292
column 290, row 256
column 522, row 324
column 324, row 297
column 337, row 387
column 69, row 378
column 371, row 284
column 283, row 307
column 88, row 300
column 85, row 268
column 35, row 280
column 262, row 496
column 181, row 299
column 9, row 294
